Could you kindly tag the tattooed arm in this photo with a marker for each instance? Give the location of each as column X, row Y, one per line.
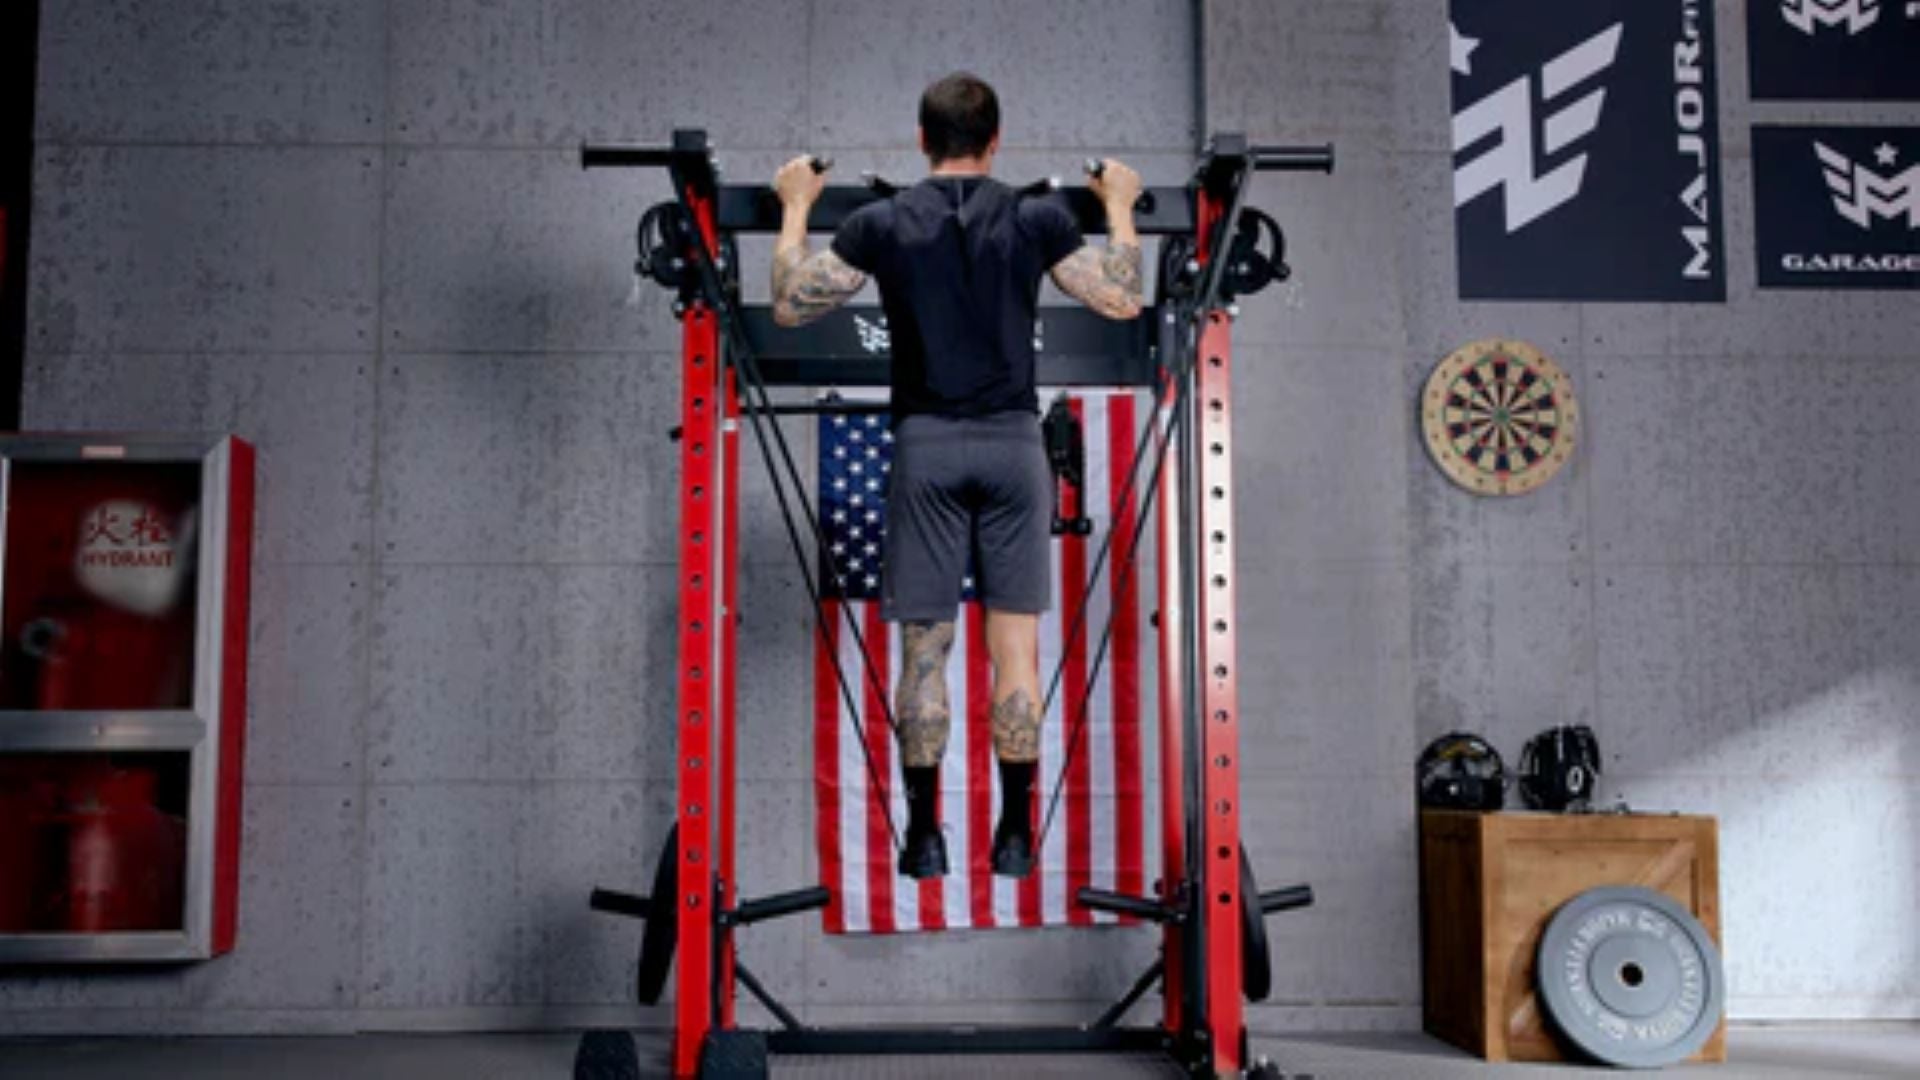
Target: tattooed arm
column 805, row 285
column 1108, row 281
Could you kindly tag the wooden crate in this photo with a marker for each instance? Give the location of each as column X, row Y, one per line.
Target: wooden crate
column 1489, row 883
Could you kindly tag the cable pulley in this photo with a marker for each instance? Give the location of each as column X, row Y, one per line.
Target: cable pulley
column 662, row 237
column 1250, row 267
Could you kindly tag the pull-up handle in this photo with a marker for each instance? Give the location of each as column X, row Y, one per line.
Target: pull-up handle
column 1095, row 168
column 1292, row 158
column 772, row 907
column 1293, row 896
column 627, row 157
column 1114, row 903
column 620, row 903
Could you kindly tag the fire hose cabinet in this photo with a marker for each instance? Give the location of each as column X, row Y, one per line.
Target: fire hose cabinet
column 123, row 664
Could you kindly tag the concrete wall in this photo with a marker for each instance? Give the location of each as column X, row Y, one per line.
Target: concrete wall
column 355, row 233
column 1721, row 582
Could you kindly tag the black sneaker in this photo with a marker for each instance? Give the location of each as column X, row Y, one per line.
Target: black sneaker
column 924, row 855
column 1012, row 852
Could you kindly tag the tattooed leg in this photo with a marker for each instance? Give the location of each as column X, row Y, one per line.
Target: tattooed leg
column 920, row 697
column 1013, row 640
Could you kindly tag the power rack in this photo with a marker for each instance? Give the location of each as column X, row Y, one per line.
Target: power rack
column 1214, row 250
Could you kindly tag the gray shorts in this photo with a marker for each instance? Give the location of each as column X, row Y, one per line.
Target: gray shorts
column 967, row 488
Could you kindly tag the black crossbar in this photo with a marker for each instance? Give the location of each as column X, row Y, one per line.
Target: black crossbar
column 1293, row 896
column 965, row 1040
column 772, row 907
column 1121, row 904
column 753, row 208
column 849, row 347
column 620, row 903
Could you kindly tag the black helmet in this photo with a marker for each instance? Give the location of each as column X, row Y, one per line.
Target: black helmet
column 1559, row 768
column 1461, row 771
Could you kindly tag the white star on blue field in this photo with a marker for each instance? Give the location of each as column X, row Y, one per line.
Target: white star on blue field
column 856, row 457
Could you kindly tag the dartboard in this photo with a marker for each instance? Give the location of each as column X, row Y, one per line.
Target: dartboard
column 1500, row 418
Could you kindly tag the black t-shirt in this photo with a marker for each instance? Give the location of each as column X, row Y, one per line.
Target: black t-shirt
column 959, row 262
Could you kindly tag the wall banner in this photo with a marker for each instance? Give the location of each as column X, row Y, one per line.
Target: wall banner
column 1858, row 50
column 1586, row 150
column 1837, row 207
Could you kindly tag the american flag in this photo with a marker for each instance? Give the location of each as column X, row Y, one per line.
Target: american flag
column 1098, row 836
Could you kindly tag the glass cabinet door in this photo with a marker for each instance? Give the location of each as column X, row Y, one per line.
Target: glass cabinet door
column 99, row 585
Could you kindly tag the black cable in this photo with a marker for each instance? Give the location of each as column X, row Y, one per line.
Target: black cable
column 742, row 355
column 1173, row 255
column 742, row 351
column 750, row 367
column 1099, row 563
column 1106, row 634
column 820, row 620
column 751, row 373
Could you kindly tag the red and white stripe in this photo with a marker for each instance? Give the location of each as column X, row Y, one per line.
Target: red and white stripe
column 1100, row 827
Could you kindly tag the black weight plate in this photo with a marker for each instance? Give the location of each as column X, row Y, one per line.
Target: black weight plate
column 734, row 1055
column 606, row 1055
column 1629, row 977
column 663, row 924
column 1256, row 962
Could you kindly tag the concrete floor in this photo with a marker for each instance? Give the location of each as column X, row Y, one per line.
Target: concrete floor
column 1772, row 1053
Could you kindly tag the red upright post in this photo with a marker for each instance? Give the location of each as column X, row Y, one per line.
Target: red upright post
column 1173, row 821
column 1219, row 701
column 729, row 651
column 703, row 582
column 1210, row 413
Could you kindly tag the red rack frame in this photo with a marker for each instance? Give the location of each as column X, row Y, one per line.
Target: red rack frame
column 1199, row 716
column 709, row 549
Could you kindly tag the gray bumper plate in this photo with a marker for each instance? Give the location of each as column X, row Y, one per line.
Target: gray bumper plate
column 1630, row 977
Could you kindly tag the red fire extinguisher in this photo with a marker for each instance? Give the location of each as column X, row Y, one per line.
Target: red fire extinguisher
column 124, row 855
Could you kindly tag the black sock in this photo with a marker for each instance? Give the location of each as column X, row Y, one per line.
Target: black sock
column 923, row 797
column 1016, row 795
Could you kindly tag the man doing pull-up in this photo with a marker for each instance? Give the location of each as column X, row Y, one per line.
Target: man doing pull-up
column 959, row 258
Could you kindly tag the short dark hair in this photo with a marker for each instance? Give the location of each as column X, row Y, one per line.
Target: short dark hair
column 959, row 115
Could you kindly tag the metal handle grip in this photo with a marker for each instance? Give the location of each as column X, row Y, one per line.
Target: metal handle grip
column 625, row 157
column 1292, row 158
column 1097, row 168
column 619, row 903
column 1293, row 896
column 788, row 903
column 1122, row 904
